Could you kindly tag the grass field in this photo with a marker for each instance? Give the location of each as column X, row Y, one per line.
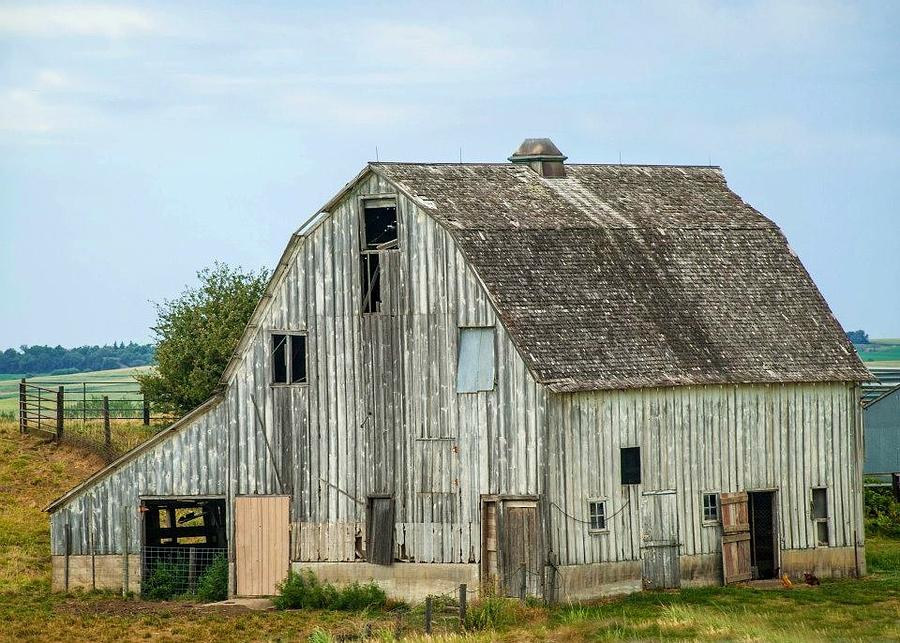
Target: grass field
column 97, row 383
column 33, row 472
column 880, row 352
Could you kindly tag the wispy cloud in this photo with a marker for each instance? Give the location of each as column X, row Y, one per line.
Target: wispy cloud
column 76, row 20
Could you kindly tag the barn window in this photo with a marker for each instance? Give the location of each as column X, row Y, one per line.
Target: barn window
column 379, row 224
column 370, row 269
column 631, row 465
column 475, row 365
column 288, row 358
column 819, row 513
column 597, row 515
column 710, row 508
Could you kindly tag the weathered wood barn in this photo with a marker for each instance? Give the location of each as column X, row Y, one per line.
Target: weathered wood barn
column 565, row 379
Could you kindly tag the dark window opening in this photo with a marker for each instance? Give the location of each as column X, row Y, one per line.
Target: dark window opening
column 631, row 465
column 380, row 228
column 380, row 530
column 370, row 270
column 819, row 512
column 279, row 359
column 710, row 507
column 298, row 359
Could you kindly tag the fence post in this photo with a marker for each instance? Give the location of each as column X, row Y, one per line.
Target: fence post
column 84, row 402
column 523, row 582
column 104, row 411
column 146, row 411
column 428, row 614
column 60, row 407
column 125, row 526
column 23, row 407
column 462, row 605
column 67, row 536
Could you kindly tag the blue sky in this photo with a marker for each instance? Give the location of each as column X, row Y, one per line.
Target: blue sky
column 140, row 142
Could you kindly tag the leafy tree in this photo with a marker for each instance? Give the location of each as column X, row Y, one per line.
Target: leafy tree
column 858, row 336
column 197, row 333
column 41, row 360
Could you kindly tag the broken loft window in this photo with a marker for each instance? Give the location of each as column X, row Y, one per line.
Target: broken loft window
column 380, row 225
column 370, row 269
column 631, row 465
column 288, row 358
column 476, row 362
column 597, row 514
column 819, row 514
column 710, row 507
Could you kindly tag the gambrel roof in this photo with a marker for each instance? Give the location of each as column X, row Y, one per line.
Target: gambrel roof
column 624, row 276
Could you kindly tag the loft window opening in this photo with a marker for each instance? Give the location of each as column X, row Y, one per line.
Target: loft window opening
column 711, row 508
column 631, row 465
column 288, row 358
column 597, row 515
column 476, row 361
column 380, row 231
column 370, row 270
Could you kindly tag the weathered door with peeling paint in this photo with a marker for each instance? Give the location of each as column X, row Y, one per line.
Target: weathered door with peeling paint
column 735, row 537
column 521, row 569
column 261, row 543
column 660, row 568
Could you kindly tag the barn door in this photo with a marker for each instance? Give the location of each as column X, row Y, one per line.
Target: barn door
column 660, row 568
column 261, row 543
column 521, row 570
column 735, row 538
column 380, row 530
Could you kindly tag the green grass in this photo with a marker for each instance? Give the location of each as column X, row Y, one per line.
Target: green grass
column 880, row 351
column 112, row 383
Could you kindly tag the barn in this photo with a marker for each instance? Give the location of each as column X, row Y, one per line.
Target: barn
column 557, row 379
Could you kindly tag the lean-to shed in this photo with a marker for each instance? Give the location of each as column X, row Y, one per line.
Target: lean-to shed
column 561, row 379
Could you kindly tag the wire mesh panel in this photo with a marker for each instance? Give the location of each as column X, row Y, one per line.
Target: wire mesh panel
column 168, row 572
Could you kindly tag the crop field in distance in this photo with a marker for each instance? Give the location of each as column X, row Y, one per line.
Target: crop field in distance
column 97, row 383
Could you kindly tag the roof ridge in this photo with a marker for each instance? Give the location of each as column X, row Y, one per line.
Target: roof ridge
column 512, row 165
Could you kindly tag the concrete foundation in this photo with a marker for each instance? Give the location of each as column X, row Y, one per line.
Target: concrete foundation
column 96, row 572
column 824, row 562
column 701, row 570
column 583, row 582
column 410, row 582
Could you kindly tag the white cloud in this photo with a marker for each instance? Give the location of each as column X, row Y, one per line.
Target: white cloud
column 78, row 20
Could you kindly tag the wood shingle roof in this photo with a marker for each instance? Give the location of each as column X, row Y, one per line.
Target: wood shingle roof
column 623, row 276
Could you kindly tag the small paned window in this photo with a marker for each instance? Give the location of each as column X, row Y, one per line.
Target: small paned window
column 711, row 507
column 288, row 358
column 819, row 514
column 380, row 225
column 476, row 362
column 597, row 513
column 631, row 465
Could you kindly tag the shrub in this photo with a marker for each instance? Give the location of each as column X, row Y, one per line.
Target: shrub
column 167, row 581
column 305, row 591
column 882, row 513
column 213, row 583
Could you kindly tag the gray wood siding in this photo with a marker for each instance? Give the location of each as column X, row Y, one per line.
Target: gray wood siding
column 695, row 440
column 191, row 462
column 380, row 412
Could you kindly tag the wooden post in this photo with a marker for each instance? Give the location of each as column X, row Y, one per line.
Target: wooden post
column 104, row 411
column 462, row 605
column 23, row 407
column 523, row 580
column 125, row 553
column 146, row 411
column 60, row 407
column 192, row 569
column 84, row 402
column 428, row 614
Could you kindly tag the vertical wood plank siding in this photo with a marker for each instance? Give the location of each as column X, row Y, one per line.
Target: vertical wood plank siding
column 380, row 412
column 701, row 439
column 190, row 463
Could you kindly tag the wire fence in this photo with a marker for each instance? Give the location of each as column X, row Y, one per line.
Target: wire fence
column 108, row 418
column 168, row 572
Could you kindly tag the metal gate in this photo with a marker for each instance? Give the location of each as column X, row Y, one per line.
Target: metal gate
column 660, row 568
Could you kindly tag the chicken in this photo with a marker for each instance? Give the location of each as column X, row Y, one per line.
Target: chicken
column 786, row 581
column 810, row 578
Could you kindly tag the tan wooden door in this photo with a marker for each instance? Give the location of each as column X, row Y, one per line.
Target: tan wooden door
column 735, row 537
column 520, row 549
column 262, row 541
column 660, row 566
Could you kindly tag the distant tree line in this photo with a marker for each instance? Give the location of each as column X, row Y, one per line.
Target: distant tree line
column 56, row 360
column 858, row 336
